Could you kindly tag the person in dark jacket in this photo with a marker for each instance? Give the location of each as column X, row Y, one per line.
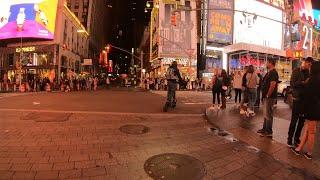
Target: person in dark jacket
column 311, row 109
column 216, row 90
column 299, row 79
column 225, row 85
column 173, row 77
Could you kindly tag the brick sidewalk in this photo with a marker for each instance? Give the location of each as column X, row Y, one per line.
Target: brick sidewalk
column 89, row 146
column 245, row 130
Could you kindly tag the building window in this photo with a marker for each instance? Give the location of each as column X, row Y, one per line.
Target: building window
column 76, row 4
column 10, row 59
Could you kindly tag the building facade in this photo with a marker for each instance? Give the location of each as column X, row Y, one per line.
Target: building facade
column 174, row 41
column 92, row 15
column 51, row 58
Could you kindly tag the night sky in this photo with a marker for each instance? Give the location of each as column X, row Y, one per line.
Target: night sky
column 127, row 21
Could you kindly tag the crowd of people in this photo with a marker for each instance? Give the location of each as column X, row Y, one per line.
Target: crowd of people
column 251, row 88
column 37, row 84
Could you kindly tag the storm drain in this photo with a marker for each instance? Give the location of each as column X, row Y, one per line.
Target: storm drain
column 134, row 129
column 46, row 117
column 173, row 166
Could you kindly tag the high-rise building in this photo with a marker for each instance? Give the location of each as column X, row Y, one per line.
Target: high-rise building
column 92, row 14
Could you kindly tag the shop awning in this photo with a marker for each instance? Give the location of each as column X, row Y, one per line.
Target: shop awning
column 253, row 48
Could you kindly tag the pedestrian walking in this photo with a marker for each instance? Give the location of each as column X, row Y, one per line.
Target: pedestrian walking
column 107, row 82
column 259, row 90
column 298, row 81
column 216, row 91
column 173, row 77
column 252, row 82
column 244, row 100
column 311, row 103
column 269, row 93
column 95, row 83
column 237, row 86
column 225, row 85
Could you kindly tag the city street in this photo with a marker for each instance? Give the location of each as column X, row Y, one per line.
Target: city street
column 115, row 134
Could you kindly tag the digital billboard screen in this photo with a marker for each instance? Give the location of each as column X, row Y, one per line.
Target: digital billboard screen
column 258, row 23
column 316, row 14
column 28, row 19
column 220, row 21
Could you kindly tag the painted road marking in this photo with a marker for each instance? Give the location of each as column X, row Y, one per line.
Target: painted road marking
column 105, row 113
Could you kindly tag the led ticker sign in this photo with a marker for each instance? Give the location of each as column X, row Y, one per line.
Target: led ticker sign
column 26, row 49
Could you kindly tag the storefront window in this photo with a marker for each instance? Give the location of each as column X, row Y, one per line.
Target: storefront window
column 36, row 59
column 284, row 68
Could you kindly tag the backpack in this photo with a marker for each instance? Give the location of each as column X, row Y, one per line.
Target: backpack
column 171, row 74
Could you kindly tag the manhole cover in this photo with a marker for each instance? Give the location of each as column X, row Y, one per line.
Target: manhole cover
column 134, row 129
column 173, row 166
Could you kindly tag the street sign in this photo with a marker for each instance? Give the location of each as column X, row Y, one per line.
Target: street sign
column 87, row 62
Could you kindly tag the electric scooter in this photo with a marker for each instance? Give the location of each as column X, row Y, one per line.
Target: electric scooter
column 168, row 105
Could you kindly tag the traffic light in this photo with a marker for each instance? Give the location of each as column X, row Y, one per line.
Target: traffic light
column 173, row 19
column 108, row 48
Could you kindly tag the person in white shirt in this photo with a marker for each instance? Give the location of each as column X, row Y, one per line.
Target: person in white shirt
column 252, row 82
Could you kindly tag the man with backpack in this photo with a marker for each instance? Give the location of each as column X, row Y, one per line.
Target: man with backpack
column 173, row 77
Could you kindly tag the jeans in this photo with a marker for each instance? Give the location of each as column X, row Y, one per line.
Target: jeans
column 238, row 95
column 172, row 87
column 268, row 115
column 296, row 124
column 258, row 97
column 245, row 98
column 252, row 97
column 223, row 99
column 214, row 95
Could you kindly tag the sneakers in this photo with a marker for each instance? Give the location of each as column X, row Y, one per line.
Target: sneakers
column 260, row 131
column 295, row 151
column 242, row 112
column 307, row 156
column 290, row 144
column 266, row 135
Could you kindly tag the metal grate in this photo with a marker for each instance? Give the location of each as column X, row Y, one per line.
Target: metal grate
column 134, row 129
column 173, row 166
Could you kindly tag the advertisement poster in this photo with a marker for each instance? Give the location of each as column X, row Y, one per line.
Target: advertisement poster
column 303, row 8
column 316, row 45
column 180, row 40
column 28, row 19
column 251, row 26
column 220, row 21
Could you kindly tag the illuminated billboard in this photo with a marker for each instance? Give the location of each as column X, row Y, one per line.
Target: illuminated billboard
column 316, row 15
column 179, row 40
column 303, row 9
column 258, row 23
column 220, row 21
column 28, row 19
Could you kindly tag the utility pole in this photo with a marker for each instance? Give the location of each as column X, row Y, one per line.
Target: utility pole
column 141, row 69
column 20, row 65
